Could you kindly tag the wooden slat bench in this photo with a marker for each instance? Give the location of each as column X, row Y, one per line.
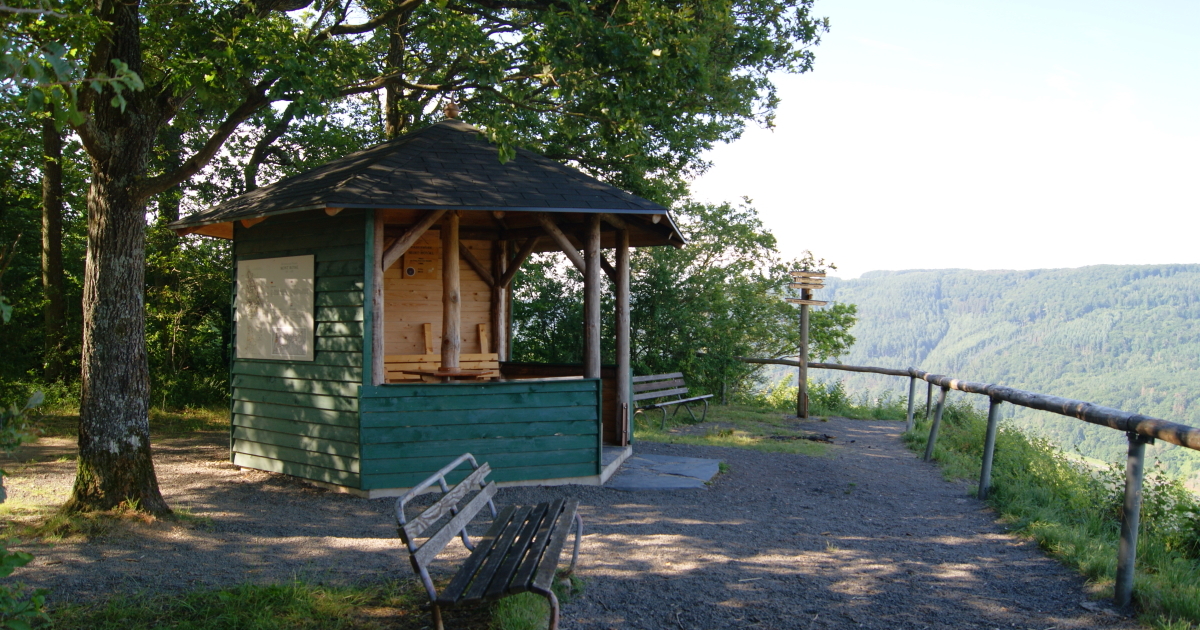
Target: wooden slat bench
column 664, row 386
column 395, row 364
column 518, row 553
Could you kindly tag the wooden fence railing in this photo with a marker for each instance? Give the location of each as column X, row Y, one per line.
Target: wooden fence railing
column 1139, row 429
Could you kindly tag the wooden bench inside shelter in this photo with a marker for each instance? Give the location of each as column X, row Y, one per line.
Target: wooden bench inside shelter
column 519, row 552
column 405, row 367
column 655, row 386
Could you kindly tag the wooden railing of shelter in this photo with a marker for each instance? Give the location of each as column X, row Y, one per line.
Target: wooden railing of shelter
column 1139, row 429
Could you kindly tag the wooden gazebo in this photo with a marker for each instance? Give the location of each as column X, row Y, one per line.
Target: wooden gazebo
column 348, row 273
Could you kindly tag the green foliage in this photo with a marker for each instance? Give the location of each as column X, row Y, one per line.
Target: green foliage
column 1116, row 335
column 829, row 398
column 1073, row 510
column 693, row 310
column 40, row 71
column 188, row 319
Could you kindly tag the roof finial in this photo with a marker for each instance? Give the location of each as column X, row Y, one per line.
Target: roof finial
column 451, row 109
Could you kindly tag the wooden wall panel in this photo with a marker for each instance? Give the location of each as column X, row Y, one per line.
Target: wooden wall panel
column 301, row 418
column 530, row 430
column 410, row 303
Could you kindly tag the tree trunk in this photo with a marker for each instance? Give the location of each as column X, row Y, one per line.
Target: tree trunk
column 397, row 119
column 52, row 263
column 115, row 465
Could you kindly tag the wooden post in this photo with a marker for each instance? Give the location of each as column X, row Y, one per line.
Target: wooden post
column 499, row 266
column 937, row 421
column 378, row 329
column 591, row 299
column 802, row 393
column 989, row 449
column 624, row 373
column 451, row 300
column 1131, row 515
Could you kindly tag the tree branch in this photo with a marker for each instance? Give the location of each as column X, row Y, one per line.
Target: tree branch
column 370, row 25
column 262, row 149
column 254, row 101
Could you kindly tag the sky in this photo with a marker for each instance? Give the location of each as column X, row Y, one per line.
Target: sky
column 982, row 135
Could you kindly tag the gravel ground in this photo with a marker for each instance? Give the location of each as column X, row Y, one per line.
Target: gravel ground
column 868, row 537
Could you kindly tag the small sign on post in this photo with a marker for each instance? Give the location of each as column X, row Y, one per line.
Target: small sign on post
column 806, row 281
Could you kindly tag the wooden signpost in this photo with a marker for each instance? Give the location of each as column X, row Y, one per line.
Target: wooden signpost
column 806, row 281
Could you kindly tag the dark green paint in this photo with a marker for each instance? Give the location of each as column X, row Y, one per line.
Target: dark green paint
column 290, row 440
column 539, row 445
column 296, row 427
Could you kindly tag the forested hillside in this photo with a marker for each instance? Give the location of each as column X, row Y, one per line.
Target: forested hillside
column 1122, row 336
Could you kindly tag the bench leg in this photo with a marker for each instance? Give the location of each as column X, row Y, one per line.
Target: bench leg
column 663, row 426
column 704, row 415
column 553, row 609
column 578, row 535
column 437, row 617
column 689, row 410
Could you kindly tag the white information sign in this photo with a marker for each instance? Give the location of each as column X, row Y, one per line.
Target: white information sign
column 275, row 308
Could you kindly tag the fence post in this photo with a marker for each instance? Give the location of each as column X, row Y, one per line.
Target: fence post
column 1131, row 516
column 937, row 420
column 989, row 448
column 912, row 392
column 928, row 398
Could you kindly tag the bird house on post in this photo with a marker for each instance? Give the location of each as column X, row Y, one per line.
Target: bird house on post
column 807, row 282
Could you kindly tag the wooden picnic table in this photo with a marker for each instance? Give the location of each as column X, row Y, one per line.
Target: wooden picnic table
column 444, row 375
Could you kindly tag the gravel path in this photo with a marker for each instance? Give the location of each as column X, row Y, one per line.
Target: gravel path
column 868, row 537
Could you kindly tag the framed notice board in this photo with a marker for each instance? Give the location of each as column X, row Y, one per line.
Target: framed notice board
column 423, row 261
column 275, row 308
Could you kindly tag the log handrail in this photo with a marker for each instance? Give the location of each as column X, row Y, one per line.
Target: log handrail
column 1149, row 426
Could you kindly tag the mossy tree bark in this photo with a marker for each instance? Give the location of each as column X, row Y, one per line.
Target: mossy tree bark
column 115, row 463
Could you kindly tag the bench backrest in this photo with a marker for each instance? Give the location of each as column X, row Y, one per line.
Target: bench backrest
column 393, row 363
column 658, row 386
column 450, row 504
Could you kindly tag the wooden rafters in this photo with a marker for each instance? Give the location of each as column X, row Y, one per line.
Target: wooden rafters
column 409, row 238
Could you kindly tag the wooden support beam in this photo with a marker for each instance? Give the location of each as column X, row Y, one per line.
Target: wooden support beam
column 451, row 300
column 591, row 300
column 517, row 261
column 475, row 264
column 378, row 329
column 624, row 393
column 249, row 223
column 562, row 240
column 608, row 269
column 397, row 249
column 498, row 295
column 333, row 211
column 614, row 220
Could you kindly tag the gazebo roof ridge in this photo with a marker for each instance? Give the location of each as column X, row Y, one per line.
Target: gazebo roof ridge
column 448, row 165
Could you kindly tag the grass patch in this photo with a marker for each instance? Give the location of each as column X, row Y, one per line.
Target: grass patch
column 527, row 611
column 63, row 421
column 303, row 606
column 738, row 426
column 1073, row 511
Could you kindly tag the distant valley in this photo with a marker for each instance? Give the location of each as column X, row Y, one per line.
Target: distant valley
column 1122, row 336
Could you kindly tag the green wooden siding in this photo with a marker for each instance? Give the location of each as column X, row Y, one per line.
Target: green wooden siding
column 524, row 430
column 301, row 417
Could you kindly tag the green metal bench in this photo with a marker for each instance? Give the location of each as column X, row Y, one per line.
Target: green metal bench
column 663, row 386
column 518, row 553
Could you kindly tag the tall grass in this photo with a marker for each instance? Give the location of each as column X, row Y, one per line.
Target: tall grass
column 1074, row 511
column 829, row 398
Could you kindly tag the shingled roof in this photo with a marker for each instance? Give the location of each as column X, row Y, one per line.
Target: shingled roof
column 449, row 165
